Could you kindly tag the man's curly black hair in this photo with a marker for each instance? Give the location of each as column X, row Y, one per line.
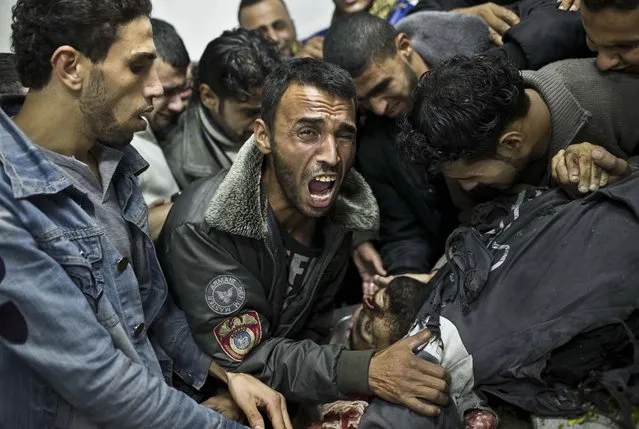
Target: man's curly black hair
column 41, row 26
column 461, row 107
column 236, row 62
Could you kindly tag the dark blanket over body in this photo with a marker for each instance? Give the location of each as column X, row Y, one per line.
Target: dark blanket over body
column 539, row 281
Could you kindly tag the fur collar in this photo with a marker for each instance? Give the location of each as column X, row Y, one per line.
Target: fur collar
column 239, row 207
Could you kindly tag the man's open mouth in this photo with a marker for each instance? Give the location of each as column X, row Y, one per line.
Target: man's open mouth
column 321, row 188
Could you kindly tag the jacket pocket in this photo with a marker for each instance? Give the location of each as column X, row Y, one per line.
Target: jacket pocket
column 81, row 259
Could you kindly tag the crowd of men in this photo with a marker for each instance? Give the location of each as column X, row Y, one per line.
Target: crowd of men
column 178, row 236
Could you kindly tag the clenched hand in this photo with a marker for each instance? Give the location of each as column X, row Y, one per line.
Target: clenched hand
column 585, row 167
column 498, row 18
column 398, row 376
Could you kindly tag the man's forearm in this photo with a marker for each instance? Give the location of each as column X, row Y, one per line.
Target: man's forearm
column 304, row 370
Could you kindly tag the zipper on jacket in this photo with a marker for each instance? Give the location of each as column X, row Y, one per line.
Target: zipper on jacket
column 315, row 276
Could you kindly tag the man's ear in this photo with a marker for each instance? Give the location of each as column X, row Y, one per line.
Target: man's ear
column 209, row 99
column 510, row 145
column 70, row 67
column 404, row 45
column 262, row 136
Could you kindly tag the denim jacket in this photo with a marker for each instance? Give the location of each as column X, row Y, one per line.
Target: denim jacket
column 98, row 343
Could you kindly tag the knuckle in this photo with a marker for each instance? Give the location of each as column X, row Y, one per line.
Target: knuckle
column 440, row 372
column 275, row 399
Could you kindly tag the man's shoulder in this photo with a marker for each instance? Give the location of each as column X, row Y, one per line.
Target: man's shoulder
column 582, row 75
column 192, row 204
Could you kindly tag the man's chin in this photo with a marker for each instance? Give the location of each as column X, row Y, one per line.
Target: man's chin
column 315, row 212
column 118, row 141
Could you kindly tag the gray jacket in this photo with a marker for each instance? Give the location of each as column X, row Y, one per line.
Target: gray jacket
column 224, row 260
column 190, row 153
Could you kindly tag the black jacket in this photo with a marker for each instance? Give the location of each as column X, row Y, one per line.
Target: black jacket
column 544, row 34
column 415, row 210
column 535, row 283
column 225, row 263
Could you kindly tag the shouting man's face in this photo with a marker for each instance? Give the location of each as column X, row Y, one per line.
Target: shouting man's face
column 311, row 147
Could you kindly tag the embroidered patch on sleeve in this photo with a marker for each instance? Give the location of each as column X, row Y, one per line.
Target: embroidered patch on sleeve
column 225, row 294
column 239, row 335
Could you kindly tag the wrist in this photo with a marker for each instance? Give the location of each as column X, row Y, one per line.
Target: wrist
column 218, row 372
column 353, row 372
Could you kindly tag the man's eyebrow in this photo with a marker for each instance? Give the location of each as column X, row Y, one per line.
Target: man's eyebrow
column 346, row 127
column 143, row 56
column 178, row 87
column 310, row 121
column 381, row 85
column 614, row 43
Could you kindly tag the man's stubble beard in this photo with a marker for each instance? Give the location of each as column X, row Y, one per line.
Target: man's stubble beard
column 99, row 117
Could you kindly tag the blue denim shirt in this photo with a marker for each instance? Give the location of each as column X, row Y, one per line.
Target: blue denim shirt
column 98, row 341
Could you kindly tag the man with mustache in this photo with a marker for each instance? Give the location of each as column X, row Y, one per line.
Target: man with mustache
column 256, row 254
column 272, row 18
column 104, row 335
column 489, row 127
column 386, row 64
column 230, row 76
column 612, row 31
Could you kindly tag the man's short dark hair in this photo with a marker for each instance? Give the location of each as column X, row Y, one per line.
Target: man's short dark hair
column 41, row 26
column 405, row 297
column 355, row 40
column 9, row 79
column 249, row 3
column 169, row 45
column 599, row 5
column 461, row 108
column 237, row 62
column 308, row 72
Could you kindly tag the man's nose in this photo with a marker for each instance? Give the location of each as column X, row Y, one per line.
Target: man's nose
column 272, row 34
column 328, row 152
column 468, row 185
column 176, row 104
column 607, row 60
column 153, row 87
column 379, row 106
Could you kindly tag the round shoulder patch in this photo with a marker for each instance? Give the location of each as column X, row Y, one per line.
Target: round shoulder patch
column 225, row 294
